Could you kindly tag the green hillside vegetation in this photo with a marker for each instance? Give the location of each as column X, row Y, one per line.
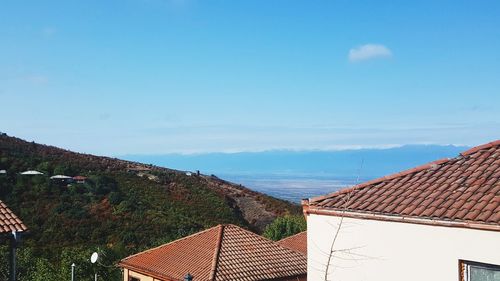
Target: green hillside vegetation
column 116, row 210
column 285, row 226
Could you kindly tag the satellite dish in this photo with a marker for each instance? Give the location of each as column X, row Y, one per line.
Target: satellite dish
column 94, row 257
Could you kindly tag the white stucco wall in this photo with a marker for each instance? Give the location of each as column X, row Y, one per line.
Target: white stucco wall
column 369, row 250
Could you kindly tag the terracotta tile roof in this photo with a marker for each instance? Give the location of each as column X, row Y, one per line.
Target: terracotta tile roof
column 224, row 252
column 297, row 242
column 9, row 221
column 465, row 189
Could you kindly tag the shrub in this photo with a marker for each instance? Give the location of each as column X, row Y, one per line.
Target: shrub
column 285, row 226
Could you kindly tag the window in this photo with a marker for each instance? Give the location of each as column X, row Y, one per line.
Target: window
column 476, row 271
column 134, row 279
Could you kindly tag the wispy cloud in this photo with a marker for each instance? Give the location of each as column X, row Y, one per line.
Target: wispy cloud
column 100, row 138
column 369, row 51
column 203, row 139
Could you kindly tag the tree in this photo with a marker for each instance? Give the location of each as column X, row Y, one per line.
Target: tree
column 283, row 227
column 63, row 169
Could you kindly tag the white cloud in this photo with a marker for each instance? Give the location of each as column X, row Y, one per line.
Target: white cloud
column 369, row 51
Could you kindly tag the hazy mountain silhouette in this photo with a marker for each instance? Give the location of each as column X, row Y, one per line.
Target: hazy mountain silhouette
column 368, row 163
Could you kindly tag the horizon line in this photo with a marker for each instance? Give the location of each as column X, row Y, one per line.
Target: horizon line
column 338, row 148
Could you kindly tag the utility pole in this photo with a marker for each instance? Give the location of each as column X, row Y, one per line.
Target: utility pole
column 13, row 245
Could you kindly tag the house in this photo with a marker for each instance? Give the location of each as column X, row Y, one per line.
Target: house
column 3, row 172
column 80, row 179
column 11, row 227
column 62, row 179
column 297, row 242
column 223, row 252
column 439, row 221
column 31, row 173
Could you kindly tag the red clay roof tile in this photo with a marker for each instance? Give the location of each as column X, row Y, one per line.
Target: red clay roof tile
column 9, row 222
column 462, row 189
column 224, row 252
column 297, row 242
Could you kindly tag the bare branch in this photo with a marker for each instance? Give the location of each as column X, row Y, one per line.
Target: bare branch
column 345, row 206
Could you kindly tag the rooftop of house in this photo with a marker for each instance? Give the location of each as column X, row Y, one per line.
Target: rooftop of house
column 31, row 172
column 297, row 242
column 463, row 191
column 224, row 252
column 9, row 222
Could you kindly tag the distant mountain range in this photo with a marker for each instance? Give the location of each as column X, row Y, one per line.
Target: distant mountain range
column 365, row 163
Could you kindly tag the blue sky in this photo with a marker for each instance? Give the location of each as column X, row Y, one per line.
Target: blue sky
column 162, row 76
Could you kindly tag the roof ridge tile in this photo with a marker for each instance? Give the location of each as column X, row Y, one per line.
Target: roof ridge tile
column 292, row 236
column 215, row 259
column 172, row 242
column 227, row 252
column 480, row 147
column 426, row 166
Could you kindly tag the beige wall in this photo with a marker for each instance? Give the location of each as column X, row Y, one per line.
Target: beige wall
column 371, row 250
column 129, row 273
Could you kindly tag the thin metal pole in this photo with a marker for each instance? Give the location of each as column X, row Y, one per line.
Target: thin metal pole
column 13, row 245
column 73, row 272
column 12, row 262
column 95, row 279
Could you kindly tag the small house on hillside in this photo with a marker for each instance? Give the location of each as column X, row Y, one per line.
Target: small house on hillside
column 61, row 179
column 80, row 179
column 11, row 228
column 439, row 221
column 224, row 252
column 31, row 173
column 297, row 242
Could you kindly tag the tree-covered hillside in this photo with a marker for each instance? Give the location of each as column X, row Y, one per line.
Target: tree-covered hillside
column 122, row 207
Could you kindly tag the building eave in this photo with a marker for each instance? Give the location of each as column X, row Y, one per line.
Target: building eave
column 398, row 218
column 146, row 272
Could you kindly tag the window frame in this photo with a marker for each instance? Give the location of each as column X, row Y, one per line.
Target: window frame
column 463, row 268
